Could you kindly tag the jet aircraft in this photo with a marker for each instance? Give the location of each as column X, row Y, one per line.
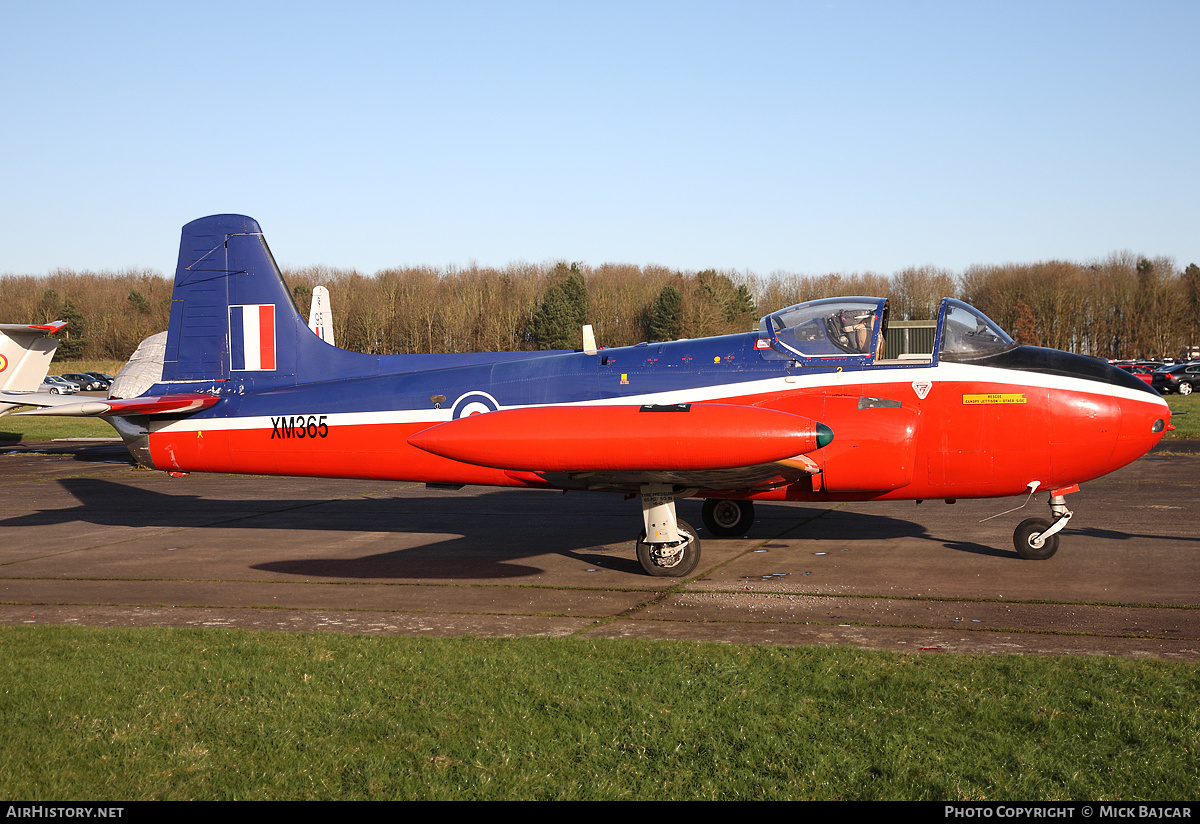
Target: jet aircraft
column 809, row 407
column 25, row 354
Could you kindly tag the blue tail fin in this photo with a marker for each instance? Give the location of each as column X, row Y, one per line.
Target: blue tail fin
column 233, row 319
column 232, row 316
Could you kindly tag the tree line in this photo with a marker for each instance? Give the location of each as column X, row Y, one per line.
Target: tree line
column 1123, row 306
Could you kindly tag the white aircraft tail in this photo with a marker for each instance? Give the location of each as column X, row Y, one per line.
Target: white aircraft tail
column 25, row 355
column 320, row 315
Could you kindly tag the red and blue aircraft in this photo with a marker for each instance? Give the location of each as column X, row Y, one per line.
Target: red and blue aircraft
column 807, row 408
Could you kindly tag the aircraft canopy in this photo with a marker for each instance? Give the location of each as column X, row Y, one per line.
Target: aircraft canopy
column 965, row 333
column 832, row 327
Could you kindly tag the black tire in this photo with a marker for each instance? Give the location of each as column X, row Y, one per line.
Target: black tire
column 1026, row 535
column 53, row 390
column 727, row 519
column 1185, row 389
column 670, row 562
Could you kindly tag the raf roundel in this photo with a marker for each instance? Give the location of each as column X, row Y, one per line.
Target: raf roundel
column 474, row 403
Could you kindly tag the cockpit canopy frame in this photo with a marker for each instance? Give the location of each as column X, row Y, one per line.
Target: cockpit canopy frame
column 965, row 334
column 835, row 331
column 847, row 331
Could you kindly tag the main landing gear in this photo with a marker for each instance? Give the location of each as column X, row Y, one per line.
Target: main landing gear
column 667, row 547
column 726, row 518
column 1036, row 539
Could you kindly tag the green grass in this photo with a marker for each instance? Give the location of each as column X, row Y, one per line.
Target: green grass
column 129, row 714
column 62, row 367
column 1187, row 426
column 14, row 429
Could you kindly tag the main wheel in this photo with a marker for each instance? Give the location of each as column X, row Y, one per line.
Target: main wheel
column 1185, row 388
column 670, row 560
column 1029, row 543
column 727, row 519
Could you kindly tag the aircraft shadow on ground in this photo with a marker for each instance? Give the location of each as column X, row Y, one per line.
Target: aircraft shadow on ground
column 1115, row 535
column 855, row 526
column 462, row 531
column 99, row 452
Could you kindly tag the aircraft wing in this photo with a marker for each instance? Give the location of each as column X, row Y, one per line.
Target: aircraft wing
column 707, row 445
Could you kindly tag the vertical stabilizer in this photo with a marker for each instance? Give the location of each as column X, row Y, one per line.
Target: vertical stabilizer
column 320, row 315
column 234, row 322
column 232, row 316
column 25, row 355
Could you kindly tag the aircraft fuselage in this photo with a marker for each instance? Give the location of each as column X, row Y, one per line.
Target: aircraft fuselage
column 950, row 430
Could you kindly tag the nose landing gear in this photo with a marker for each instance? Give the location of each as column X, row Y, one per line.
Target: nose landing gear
column 1036, row 539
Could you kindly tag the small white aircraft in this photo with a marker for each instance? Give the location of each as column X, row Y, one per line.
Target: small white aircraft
column 320, row 315
column 25, row 354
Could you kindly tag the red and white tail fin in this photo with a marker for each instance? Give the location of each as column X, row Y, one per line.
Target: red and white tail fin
column 320, row 315
column 25, row 354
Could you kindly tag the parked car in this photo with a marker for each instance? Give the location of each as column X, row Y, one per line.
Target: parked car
column 104, row 376
column 58, row 386
column 87, row 382
column 1181, row 378
column 1138, row 370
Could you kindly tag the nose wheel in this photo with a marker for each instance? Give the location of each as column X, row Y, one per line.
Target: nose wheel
column 1031, row 541
column 1036, row 539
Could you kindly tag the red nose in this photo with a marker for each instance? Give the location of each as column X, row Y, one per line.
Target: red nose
column 1093, row 435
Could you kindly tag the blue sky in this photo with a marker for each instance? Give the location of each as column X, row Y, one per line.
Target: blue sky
column 805, row 137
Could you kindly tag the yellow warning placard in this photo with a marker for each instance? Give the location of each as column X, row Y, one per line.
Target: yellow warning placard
column 973, row 400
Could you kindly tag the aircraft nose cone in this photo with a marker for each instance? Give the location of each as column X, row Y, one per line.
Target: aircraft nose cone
column 1143, row 425
column 1094, row 434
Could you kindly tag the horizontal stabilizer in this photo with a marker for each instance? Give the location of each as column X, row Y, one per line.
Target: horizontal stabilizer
column 35, row 399
column 41, row 328
column 623, row 438
column 178, row 404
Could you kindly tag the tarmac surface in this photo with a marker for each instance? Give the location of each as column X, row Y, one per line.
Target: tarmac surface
column 90, row 539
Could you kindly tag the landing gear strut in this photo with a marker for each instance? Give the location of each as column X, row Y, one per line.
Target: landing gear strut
column 727, row 518
column 667, row 547
column 1036, row 539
